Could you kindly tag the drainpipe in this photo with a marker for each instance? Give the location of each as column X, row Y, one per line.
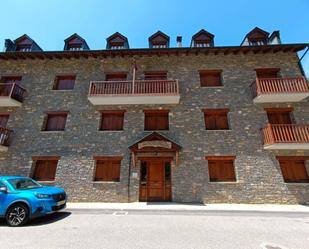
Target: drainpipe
column 134, row 72
column 129, row 176
column 299, row 62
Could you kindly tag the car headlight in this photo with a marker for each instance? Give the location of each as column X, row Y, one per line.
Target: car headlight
column 42, row 196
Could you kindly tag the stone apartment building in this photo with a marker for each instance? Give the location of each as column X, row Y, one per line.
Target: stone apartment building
column 203, row 123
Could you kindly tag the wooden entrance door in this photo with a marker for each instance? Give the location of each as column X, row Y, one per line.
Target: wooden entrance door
column 155, row 180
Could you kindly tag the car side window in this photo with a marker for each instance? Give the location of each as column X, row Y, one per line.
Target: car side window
column 2, row 184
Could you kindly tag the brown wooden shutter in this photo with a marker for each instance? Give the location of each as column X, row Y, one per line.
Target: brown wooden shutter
column 221, row 170
column 107, row 170
column 4, row 120
column 156, row 120
column 112, row 120
column 116, row 77
column 65, row 82
column 216, row 119
column 276, row 116
column 56, row 122
column 210, row 78
column 45, row 170
column 267, row 73
column 294, row 171
column 156, row 75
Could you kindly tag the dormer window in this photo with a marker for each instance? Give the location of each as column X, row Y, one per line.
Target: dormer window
column 202, row 39
column 259, row 37
column 75, row 42
column 22, row 44
column 117, row 41
column 159, row 40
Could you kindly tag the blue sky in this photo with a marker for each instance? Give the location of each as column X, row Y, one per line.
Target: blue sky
column 49, row 22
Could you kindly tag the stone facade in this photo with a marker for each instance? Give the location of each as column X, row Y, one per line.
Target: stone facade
column 259, row 179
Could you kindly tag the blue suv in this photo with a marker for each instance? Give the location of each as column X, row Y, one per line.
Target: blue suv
column 22, row 198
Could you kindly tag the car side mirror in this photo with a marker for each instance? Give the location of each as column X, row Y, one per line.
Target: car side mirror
column 3, row 190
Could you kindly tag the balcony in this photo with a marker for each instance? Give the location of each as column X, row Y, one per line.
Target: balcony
column 139, row 92
column 4, row 138
column 11, row 94
column 276, row 90
column 286, row 136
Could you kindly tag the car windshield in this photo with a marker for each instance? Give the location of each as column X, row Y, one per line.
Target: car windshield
column 23, row 183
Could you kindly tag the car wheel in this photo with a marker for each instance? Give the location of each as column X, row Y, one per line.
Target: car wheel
column 17, row 215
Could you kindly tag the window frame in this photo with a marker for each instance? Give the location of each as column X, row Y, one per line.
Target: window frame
column 211, row 72
column 155, row 75
column 111, row 112
column 215, row 113
column 111, row 160
column 222, row 159
column 156, row 112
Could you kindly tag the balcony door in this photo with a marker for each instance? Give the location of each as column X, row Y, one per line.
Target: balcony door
column 264, row 73
column 277, row 116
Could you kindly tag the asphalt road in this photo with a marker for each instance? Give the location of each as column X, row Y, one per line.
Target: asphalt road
column 161, row 229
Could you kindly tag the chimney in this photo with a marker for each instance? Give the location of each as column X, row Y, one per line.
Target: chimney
column 179, row 41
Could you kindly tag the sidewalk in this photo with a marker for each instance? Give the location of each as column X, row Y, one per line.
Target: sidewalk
column 170, row 206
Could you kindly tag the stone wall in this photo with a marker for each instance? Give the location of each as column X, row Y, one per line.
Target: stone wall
column 259, row 178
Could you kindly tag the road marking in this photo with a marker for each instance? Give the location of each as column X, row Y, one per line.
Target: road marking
column 120, row 213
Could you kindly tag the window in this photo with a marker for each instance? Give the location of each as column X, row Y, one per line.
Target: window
column 200, row 44
column 221, row 169
column 45, row 168
column 64, row 82
column 156, row 120
column 293, row 169
column 279, row 116
column 156, row 75
column 4, row 120
column 56, row 121
column 107, row 168
column 24, row 47
column 116, row 45
column 267, row 73
column 116, row 77
column 210, row 78
column 75, row 46
column 11, row 79
column 112, row 120
column 216, row 119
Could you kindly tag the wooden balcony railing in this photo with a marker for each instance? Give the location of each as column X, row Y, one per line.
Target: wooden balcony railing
column 12, row 90
column 140, row 87
column 286, row 133
column 4, row 136
column 279, row 85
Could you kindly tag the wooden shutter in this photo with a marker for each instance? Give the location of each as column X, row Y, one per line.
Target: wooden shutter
column 156, row 120
column 11, row 79
column 279, row 116
column 116, row 77
column 4, row 120
column 65, row 82
column 112, row 120
column 210, row 78
column 45, row 170
column 156, row 75
column 267, row 73
column 294, row 171
column 56, row 122
column 216, row 119
column 221, row 170
column 107, row 170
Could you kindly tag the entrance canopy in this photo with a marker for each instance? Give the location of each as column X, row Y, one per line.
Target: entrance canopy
column 155, row 145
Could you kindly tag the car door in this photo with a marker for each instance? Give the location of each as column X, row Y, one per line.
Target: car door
column 2, row 199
